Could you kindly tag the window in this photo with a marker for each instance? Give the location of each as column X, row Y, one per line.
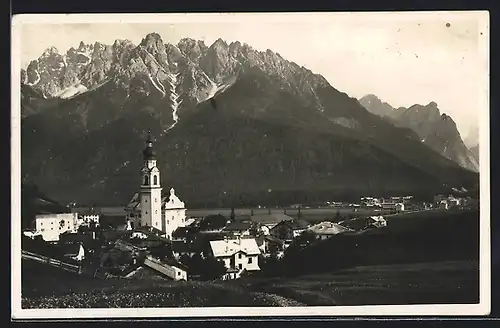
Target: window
column 146, row 212
column 146, row 180
column 52, row 222
column 178, row 273
column 240, row 266
column 156, row 200
column 41, row 223
column 239, row 255
column 249, row 260
column 145, row 200
column 155, row 180
column 51, row 228
column 156, row 211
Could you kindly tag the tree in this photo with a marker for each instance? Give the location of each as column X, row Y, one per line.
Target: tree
column 269, row 210
column 212, row 269
column 299, row 214
column 338, row 218
column 251, row 212
column 232, row 214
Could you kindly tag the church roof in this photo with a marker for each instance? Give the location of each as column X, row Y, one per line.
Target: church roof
column 170, row 202
column 148, row 152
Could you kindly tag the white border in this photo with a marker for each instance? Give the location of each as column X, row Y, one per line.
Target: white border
column 483, row 308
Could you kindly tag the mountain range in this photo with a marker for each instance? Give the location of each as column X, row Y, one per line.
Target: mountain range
column 233, row 125
column 437, row 130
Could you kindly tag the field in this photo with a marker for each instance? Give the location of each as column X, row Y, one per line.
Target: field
column 308, row 214
column 418, row 283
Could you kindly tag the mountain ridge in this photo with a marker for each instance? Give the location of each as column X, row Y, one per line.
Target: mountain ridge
column 130, row 89
column 437, row 130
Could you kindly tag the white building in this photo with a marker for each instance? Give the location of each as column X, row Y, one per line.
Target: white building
column 51, row 226
column 148, row 207
column 238, row 255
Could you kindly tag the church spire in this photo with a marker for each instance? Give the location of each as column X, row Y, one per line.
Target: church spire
column 149, row 152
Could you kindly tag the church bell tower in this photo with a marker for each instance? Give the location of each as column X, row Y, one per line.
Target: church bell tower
column 150, row 193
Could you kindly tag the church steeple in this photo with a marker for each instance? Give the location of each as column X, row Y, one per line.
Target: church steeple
column 149, row 153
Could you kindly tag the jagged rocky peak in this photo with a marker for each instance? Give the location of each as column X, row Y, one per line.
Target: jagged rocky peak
column 151, row 40
column 50, row 52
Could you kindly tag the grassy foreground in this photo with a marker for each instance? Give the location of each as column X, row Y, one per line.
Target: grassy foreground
column 453, row 282
column 47, row 287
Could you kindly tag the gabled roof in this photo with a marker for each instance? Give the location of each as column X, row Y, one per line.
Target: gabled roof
column 238, row 226
column 213, row 222
column 149, row 230
column 295, row 224
column 273, row 218
column 222, row 248
column 170, row 201
column 71, row 249
column 181, row 232
column 328, row 228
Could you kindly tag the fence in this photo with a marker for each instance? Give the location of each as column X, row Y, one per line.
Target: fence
column 51, row 261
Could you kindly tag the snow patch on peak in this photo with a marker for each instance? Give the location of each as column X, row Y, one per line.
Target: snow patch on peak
column 71, row 91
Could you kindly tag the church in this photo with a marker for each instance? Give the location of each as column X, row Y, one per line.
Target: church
column 149, row 207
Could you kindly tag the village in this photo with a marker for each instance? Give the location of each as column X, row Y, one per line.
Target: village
column 156, row 238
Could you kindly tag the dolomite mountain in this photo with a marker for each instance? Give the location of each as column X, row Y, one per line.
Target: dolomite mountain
column 232, row 125
column 436, row 129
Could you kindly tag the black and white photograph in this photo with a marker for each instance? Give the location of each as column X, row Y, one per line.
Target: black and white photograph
column 250, row 164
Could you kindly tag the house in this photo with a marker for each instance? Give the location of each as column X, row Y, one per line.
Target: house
column 269, row 245
column 269, row 220
column 326, row 229
column 170, row 268
column 51, row 226
column 74, row 251
column 180, row 248
column 290, row 229
column 444, row 205
column 399, row 207
column 238, row 255
column 375, row 222
column 181, row 234
column 212, row 224
column 238, row 228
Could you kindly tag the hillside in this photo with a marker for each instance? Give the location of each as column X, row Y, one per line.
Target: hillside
column 231, row 123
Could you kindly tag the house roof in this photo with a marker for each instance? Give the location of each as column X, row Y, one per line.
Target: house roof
column 238, row 226
column 328, row 228
column 170, row 201
column 71, row 249
column 268, row 238
column 221, row 248
column 181, row 247
column 295, row 224
column 149, row 229
column 273, row 218
column 377, row 218
column 213, row 222
column 180, row 232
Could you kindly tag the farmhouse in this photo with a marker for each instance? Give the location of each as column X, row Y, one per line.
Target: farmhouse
column 238, row 228
column 238, row 255
column 288, row 230
column 51, row 226
column 326, row 229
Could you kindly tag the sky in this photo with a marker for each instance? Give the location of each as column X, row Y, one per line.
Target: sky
column 403, row 58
